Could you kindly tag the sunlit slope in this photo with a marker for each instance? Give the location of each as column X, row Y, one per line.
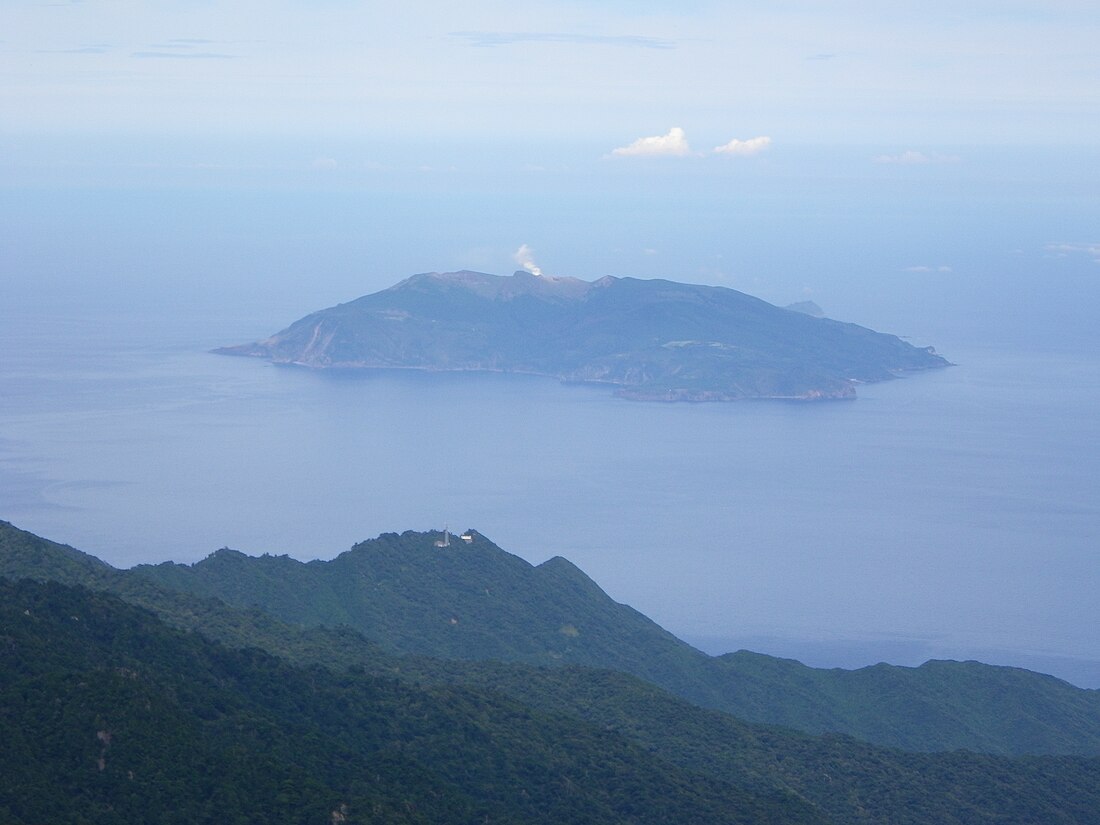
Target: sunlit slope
column 651, row 339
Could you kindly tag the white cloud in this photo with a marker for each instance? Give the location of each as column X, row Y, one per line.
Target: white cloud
column 911, row 157
column 924, row 268
column 752, row 146
column 324, row 163
column 674, row 144
column 1064, row 250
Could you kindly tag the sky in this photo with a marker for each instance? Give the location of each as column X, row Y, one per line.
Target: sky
column 900, row 77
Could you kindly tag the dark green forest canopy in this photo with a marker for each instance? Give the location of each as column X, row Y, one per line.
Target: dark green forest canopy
column 477, row 602
column 113, row 716
column 807, row 778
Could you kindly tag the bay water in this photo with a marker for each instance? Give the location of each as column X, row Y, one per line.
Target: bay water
column 950, row 514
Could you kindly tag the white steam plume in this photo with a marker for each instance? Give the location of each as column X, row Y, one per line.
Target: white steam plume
column 524, row 256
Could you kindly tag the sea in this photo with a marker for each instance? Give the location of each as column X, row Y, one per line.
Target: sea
column 948, row 514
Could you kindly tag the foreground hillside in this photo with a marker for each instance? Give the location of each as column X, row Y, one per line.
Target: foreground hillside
column 655, row 339
column 768, row 771
column 113, row 717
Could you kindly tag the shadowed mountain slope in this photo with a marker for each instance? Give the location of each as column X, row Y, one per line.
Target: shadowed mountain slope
column 112, row 717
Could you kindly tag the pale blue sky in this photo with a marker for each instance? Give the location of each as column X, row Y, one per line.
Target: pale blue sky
column 895, row 75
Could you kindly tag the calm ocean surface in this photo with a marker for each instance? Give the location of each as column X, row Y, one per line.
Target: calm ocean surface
column 953, row 514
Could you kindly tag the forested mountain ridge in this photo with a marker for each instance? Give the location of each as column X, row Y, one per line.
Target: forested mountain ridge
column 651, row 339
column 477, row 602
column 839, row 779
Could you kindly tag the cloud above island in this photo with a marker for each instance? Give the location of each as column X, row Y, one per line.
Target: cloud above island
column 752, row 146
column 1064, row 250
column 675, row 144
column 926, row 268
column 672, row 144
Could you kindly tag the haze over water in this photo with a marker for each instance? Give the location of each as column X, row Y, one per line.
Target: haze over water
column 951, row 514
column 176, row 177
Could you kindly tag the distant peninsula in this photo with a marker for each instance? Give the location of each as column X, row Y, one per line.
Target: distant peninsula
column 649, row 339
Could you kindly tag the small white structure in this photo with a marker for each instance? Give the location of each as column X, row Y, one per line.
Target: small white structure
column 467, row 537
column 446, row 540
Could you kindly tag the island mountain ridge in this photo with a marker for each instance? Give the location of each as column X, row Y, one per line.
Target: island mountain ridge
column 649, row 339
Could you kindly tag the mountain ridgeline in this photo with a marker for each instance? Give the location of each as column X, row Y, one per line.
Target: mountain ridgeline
column 139, row 696
column 476, row 602
column 650, row 339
